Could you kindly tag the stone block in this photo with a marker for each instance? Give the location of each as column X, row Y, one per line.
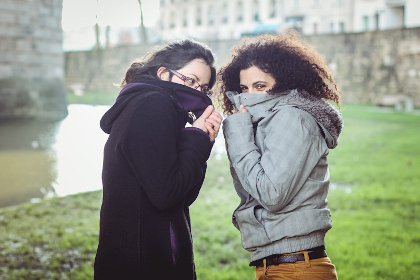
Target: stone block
column 56, row 49
column 44, row 11
column 25, row 31
column 58, row 13
column 6, row 44
column 24, row 20
column 23, row 8
column 6, row 17
column 5, row 70
column 6, row 58
column 46, row 22
column 39, row 33
column 23, row 45
column 7, row 6
column 57, row 72
column 4, row 31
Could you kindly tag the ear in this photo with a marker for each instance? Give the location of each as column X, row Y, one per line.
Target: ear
column 163, row 74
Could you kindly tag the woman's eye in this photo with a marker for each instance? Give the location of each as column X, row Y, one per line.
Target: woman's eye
column 191, row 81
column 260, row 86
column 243, row 89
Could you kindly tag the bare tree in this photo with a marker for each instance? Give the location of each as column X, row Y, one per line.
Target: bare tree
column 143, row 34
column 108, row 42
column 98, row 45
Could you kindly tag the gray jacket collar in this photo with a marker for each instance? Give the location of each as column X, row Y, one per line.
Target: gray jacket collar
column 259, row 105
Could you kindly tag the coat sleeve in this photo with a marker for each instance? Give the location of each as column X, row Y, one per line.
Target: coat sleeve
column 274, row 177
column 193, row 193
column 168, row 162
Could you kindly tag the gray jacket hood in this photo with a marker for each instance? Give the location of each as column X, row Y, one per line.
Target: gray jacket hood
column 329, row 118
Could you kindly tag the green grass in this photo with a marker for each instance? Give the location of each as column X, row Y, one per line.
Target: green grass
column 376, row 227
column 54, row 239
column 375, row 207
column 217, row 243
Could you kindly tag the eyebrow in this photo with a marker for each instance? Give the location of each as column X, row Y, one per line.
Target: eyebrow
column 257, row 82
column 198, row 80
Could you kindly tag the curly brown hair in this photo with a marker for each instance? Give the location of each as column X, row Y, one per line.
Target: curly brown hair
column 291, row 61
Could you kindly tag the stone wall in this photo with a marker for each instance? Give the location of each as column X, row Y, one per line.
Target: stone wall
column 103, row 70
column 31, row 60
column 99, row 70
column 367, row 66
column 371, row 65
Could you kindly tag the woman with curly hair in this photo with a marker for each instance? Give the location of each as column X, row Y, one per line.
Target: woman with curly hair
column 278, row 134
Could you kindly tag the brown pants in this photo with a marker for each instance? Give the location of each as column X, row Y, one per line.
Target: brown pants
column 317, row 269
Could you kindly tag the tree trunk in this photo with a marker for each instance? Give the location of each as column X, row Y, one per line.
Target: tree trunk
column 143, row 35
column 98, row 45
column 108, row 42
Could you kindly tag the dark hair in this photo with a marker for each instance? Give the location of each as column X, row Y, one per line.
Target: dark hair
column 287, row 58
column 174, row 55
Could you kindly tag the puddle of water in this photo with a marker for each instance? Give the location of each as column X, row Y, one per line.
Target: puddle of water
column 346, row 187
column 39, row 158
column 79, row 150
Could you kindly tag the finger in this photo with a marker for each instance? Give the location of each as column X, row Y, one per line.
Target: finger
column 243, row 109
column 207, row 112
column 215, row 118
column 214, row 123
column 211, row 132
column 217, row 115
column 210, row 124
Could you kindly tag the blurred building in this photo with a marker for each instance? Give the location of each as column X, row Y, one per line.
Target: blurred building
column 218, row 19
column 385, row 14
column 227, row 19
column 318, row 16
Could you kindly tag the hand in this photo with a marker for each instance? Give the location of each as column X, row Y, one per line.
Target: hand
column 209, row 122
column 242, row 109
column 212, row 124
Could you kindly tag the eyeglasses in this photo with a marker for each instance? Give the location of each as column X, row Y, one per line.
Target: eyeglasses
column 192, row 83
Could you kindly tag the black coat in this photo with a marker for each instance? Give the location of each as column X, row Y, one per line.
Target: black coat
column 153, row 170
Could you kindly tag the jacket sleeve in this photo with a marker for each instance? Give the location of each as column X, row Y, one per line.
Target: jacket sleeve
column 274, row 177
column 193, row 193
column 168, row 161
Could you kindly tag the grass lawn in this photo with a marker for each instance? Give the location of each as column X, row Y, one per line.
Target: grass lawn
column 376, row 221
column 375, row 205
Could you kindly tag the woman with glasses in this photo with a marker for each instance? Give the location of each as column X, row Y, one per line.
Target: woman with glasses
column 278, row 134
column 154, row 165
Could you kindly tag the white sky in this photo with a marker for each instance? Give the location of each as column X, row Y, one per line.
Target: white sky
column 82, row 13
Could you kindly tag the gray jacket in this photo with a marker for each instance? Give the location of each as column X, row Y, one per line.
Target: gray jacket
column 278, row 154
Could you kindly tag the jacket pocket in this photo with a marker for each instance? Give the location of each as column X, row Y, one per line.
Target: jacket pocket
column 252, row 232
